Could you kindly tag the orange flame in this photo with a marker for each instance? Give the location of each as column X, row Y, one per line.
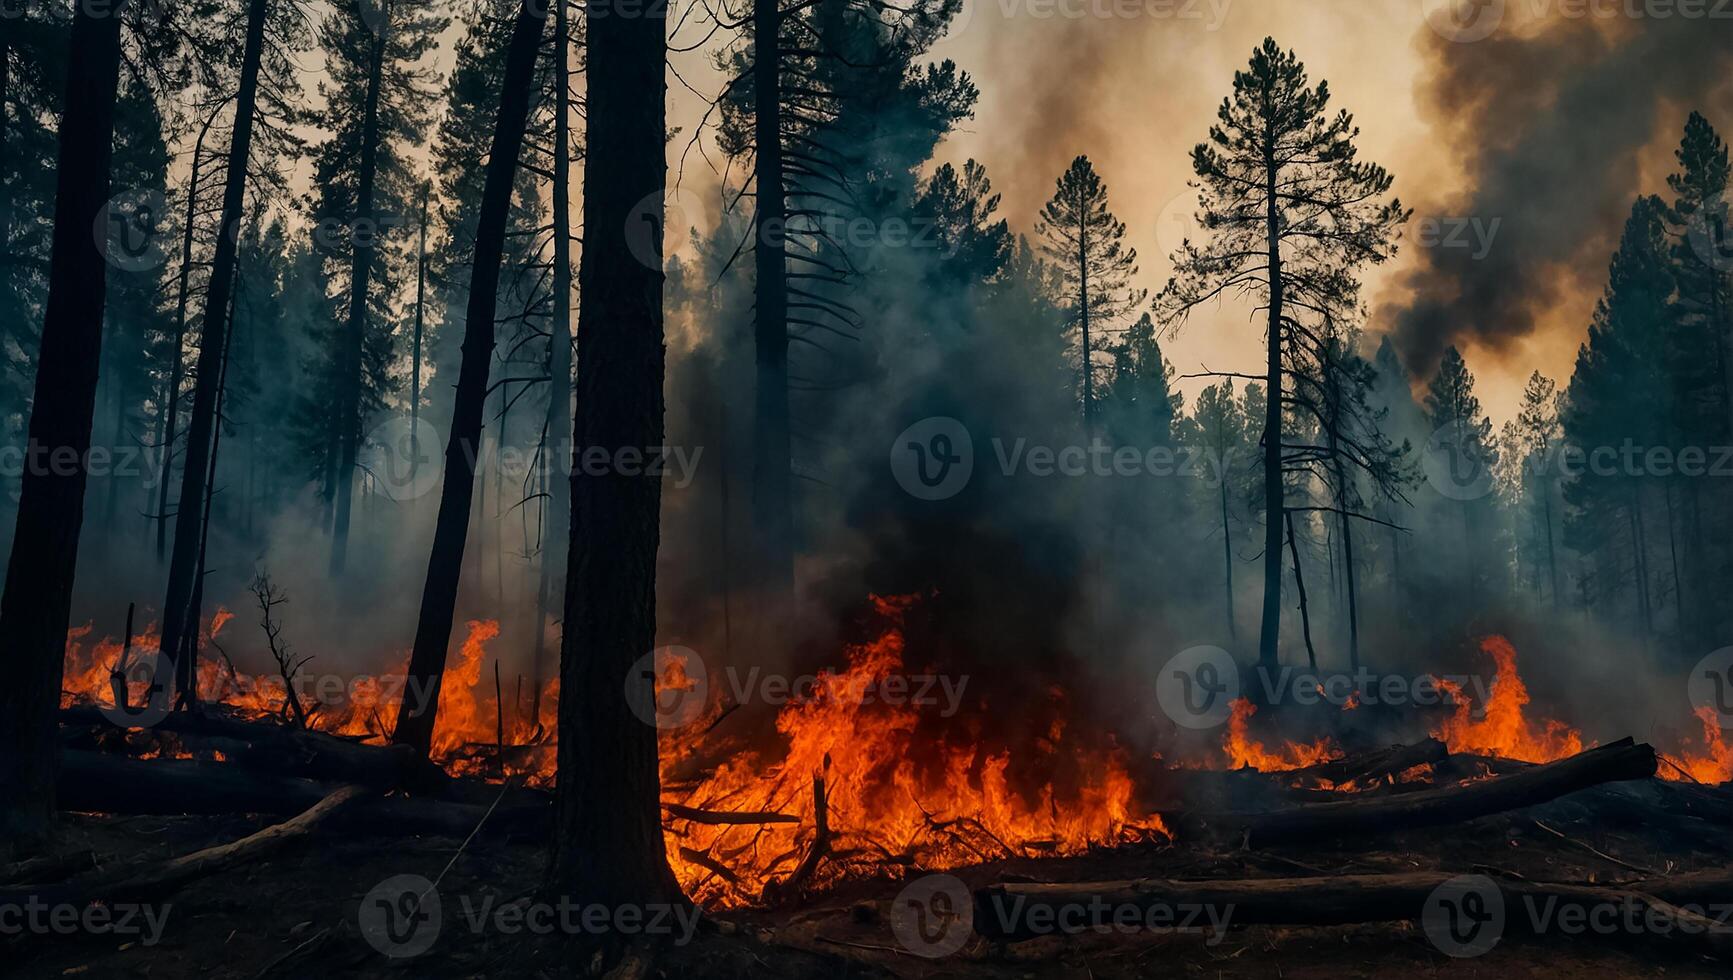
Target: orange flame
column 1503, row 730
column 1245, row 752
column 1712, row 763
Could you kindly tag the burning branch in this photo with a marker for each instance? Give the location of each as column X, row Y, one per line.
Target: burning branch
column 820, row 841
column 268, row 596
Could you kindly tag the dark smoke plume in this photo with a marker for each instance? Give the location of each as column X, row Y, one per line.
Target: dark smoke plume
column 1554, row 122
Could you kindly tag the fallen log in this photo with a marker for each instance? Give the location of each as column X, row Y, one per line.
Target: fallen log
column 160, row 878
column 1710, row 887
column 1015, row 911
column 49, row 867
column 93, row 782
column 270, row 747
column 1621, row 760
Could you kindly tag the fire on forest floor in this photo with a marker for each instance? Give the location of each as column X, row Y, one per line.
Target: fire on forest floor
column 891, row 799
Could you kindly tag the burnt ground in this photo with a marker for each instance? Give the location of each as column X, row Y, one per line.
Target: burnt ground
column 296, row 914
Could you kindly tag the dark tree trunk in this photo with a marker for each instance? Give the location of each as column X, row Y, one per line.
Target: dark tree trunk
column 607, row 844
column 1353, row 592
column 1673, row 556
column 1083, row 317
column 1228, row 559
column 445, row 563
column 172, row 394
column 1640, row 565
column 557, row 426
column 361, row 244
column 1269, row 634
column 772, row 455
column 1300, row 586
column 187, row 665
column 38, row 597
column 1551, row 556
column 415, row 353
column 183, row 561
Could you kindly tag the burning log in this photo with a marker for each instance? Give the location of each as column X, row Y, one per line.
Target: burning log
column 1367, row 767
column 1011, row 910
column 273, row 748
column 1621, row 760
column 725, row 818
column 166, row 876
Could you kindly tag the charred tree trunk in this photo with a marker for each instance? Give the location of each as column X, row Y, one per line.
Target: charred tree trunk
column 557, row 426
column 445, row 563
column 607, row 843
column 183, row 560
column 361, row 245
column 772, row 454
column 43, row 564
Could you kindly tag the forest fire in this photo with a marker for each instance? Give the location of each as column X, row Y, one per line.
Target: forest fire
column 858, row 782
column 366, row 709
column 889, row 799
column 892, row 798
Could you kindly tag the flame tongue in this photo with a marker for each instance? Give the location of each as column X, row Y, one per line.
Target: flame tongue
column 1502, row 730
column 1245, row 752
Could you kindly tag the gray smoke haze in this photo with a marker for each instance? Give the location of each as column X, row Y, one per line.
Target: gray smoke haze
column 1554, row 126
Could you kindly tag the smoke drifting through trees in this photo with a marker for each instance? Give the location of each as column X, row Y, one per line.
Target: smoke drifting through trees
column 909, row 299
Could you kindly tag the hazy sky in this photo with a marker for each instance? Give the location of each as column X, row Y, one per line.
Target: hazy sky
column 1134, row 84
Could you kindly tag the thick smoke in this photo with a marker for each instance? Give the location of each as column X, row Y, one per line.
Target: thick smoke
column 1554, row 123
